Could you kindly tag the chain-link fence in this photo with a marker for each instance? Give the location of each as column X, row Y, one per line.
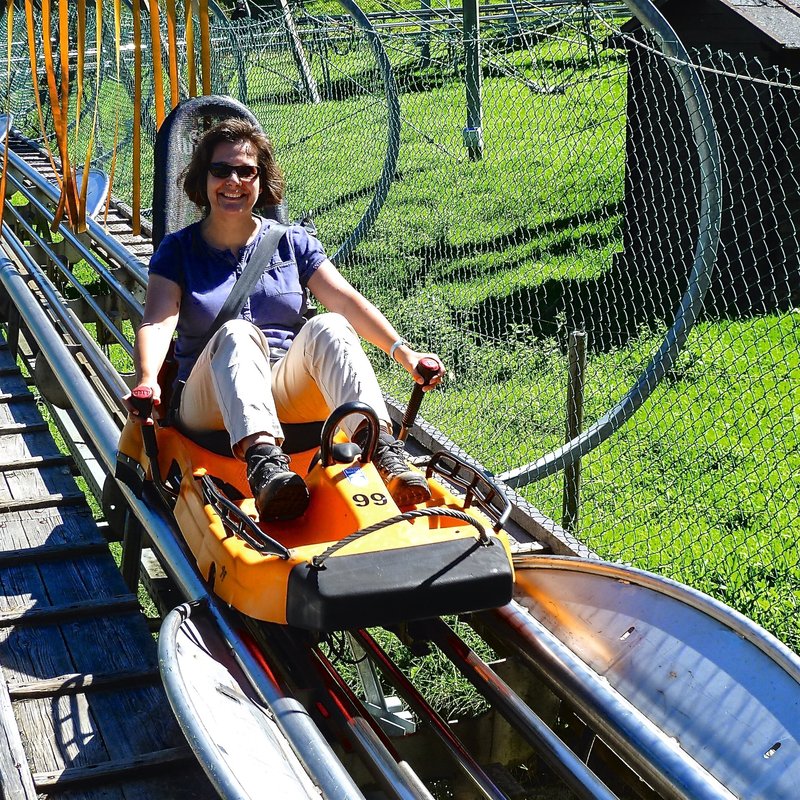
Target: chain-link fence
column 558, row 192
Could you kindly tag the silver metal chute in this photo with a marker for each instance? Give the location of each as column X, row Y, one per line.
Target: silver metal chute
column 702, row 702
column 233, row 734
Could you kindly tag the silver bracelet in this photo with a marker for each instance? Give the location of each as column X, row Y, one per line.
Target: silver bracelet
column 393, row 348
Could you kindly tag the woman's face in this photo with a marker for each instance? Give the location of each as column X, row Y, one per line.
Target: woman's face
column 232, row 194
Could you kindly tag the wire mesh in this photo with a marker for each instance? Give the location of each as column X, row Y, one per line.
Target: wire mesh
column 574, row 207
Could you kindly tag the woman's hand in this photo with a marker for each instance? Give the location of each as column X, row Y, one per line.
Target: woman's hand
column 135, row 408
column 409, row 360
column 151, row 346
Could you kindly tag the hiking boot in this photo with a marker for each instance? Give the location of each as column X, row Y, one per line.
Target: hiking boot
column 280, row 494
column 406, row 486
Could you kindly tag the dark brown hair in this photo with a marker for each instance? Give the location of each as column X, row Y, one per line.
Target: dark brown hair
column 234, row 130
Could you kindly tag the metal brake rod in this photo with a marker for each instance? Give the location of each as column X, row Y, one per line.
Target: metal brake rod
column 307, row 669
column 395, row 774
column 302, row 734
column 561, row 759
column 461, row 755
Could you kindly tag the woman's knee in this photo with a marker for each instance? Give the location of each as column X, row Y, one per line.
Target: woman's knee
column 235, row 332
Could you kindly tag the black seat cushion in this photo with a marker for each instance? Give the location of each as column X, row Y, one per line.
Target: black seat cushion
column 300, row 436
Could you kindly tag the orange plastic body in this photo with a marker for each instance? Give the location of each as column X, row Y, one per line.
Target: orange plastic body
column 344, row 498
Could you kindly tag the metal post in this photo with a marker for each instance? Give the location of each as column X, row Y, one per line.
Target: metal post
column 575, row 384
column 299, row 53
column 473, row 132
column 132, row 545
column 425, row 34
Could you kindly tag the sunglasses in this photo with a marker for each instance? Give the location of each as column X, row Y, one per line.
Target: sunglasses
column 246, row 172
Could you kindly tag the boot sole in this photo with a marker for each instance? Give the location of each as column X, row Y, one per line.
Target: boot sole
column 410, row 490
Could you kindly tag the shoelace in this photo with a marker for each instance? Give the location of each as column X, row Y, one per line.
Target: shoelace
column 391, row 456
column 256, row 463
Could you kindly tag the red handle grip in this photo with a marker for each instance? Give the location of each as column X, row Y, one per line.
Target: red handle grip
column 427, row 367
column 142, row 401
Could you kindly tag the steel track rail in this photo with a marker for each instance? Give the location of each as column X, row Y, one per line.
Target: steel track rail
column 502, row 697
column 305, row 670
column 654, row 756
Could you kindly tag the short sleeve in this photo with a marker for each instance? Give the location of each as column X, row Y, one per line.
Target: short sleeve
column 308, row 252
column 167, row 261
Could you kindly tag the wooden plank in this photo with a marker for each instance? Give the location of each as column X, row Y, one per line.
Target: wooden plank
column 42, row 501
column 55, row 552
column 86, row 577
column 17, row 782
column 76, row 682
column 182, row 781
column 135, row 721
column 24, row 483
column 24, row 443
column 20, row 413
column 113, row 769
column 48, row 526
column 131, row 722
column 14, row 397
column 22, row 427
column 98, row 726
column 86, row 689
column 60, row 732
column 33, row 614
column 98, row 644
column 34, row 461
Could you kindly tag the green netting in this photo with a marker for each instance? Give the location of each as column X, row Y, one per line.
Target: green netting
column 581, row 214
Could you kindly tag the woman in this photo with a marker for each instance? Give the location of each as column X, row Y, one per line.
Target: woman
column 270, row 365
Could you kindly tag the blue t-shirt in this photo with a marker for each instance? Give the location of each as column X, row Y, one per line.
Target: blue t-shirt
column 206, row 276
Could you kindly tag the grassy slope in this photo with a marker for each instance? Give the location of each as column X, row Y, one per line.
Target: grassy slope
column 702, row 484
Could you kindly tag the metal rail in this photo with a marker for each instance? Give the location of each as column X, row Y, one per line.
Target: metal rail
column 658, row 759
column 558, row 756
column 482, row 782
column 121, row 256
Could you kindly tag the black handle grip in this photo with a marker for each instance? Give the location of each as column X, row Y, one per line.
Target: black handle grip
column 332, row 423
column 142, row 401
column 427, row 368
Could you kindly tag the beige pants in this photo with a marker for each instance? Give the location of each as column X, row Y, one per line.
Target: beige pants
column 233, row 387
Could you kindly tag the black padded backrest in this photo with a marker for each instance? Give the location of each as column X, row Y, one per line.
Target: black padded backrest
column 175, row 142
